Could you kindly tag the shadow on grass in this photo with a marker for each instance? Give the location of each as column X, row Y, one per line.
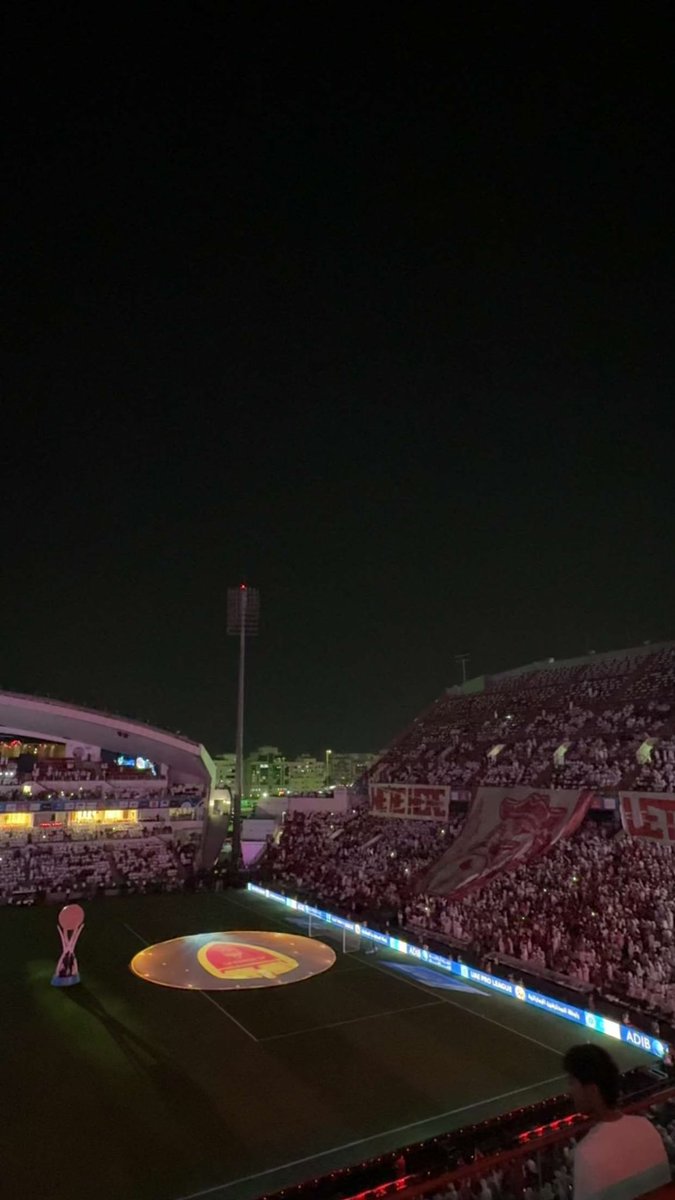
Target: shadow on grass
column 176, row 1087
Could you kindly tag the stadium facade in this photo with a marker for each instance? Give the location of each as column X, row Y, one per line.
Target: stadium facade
column 61, row 764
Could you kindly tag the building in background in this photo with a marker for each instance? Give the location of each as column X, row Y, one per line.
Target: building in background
column 265, row 772
column 306, row 774
column 344, row 769
column 269, row 773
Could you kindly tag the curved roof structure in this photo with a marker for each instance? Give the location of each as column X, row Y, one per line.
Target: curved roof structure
column 36, row 717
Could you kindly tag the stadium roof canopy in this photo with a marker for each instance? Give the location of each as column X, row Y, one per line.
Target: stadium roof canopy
column 46, row 720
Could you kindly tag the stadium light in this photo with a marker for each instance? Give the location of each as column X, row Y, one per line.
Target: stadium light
column 243, row 620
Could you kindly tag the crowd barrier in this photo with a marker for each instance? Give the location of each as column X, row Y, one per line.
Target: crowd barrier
column 524, row 995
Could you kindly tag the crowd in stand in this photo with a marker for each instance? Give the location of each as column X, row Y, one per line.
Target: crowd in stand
column 68, row 868
column 87, row 832
column 606, row 723
column 77, row 867
column 659, row 775
column 598, row 909
column 356, row 861
column 82, row 857
column 144, row 866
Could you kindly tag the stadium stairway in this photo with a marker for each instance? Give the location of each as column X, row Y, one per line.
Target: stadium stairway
column 117, row 876
column 181, row 867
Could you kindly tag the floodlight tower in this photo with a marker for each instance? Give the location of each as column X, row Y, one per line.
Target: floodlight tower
column 243, row 619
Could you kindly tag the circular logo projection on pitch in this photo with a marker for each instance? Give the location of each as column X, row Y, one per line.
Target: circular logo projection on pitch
column 215, row 962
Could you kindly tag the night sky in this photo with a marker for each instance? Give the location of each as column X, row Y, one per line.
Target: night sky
column 372, row 306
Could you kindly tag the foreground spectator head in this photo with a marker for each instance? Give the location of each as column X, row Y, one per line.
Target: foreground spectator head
column 593, row 1079
column 621, row 1157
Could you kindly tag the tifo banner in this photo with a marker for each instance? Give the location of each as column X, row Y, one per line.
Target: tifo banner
column 409, row 800
column 651, row 817
column 505, row 827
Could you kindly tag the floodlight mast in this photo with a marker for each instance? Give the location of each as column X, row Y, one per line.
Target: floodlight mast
column 243, row 617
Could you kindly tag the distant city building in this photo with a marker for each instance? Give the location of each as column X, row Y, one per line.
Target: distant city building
column 344, row 769
column 265, row 772
column 305, row 774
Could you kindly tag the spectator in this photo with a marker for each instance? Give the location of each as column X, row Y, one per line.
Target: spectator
column 606, row 723
column 622, row 1156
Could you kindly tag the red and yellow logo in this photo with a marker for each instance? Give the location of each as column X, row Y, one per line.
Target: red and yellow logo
column 237, row 960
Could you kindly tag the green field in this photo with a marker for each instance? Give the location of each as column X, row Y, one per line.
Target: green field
column 121, row 1090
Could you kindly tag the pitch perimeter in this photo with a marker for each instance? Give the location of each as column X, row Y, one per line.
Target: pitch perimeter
column 184, row 1094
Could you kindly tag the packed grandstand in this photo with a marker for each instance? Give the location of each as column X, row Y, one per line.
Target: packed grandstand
column 596, row 912
column 604, row 722
column 106, row 807
column 92, row 803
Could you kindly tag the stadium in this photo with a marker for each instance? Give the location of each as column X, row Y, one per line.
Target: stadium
column 380, row 1001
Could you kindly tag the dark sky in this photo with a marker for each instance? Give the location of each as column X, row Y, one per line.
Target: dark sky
column 374, row 305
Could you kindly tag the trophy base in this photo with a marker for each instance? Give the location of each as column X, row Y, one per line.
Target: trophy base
column 65, row 980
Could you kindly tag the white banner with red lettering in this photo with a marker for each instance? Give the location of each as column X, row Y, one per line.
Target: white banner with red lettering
column 505, row 827
column 651, row 817
column 409, row 800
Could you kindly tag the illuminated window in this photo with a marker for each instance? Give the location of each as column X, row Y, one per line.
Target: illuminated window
column 16, row 820
column 107, row 816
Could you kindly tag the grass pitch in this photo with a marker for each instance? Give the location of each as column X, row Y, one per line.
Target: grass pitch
column 120, row 1090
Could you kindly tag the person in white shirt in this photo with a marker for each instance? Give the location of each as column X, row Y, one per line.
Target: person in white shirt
column 621, row 1157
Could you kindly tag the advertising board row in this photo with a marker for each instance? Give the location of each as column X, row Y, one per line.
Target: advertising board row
column 62, row 805
column 523, row 995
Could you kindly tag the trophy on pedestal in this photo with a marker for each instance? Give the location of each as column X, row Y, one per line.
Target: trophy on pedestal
column 70, row 925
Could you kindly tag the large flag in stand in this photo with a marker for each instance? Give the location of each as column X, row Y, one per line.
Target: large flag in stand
column 505, row 828
column 649, row 816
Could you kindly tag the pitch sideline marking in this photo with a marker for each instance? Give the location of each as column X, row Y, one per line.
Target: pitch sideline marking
column 350, row 1021
column 421, row 987
column 444, row 1000
column 298, row 1162
column 204, row 995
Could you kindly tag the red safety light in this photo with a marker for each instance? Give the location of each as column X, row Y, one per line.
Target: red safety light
column 383, row 1189
column 552, row 1127
column 242, row 587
